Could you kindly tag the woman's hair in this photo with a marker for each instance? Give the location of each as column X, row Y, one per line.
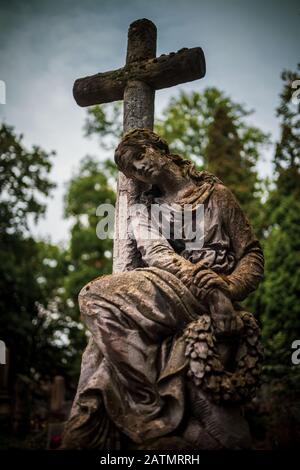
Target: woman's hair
column 136, row 141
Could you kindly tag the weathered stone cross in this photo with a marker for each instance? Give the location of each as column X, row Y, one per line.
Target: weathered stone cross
column 136, row 83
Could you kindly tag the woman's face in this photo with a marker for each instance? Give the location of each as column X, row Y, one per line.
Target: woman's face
column 148, row 166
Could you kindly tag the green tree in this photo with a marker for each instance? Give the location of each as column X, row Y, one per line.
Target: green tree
column 281, row 291
column 23, row 181
column 89, row 256
column 213, row 130
column 105, row 122
column 30, row 271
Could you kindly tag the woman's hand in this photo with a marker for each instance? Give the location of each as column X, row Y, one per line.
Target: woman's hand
column 224, row 317
column 201, row 280
column 207, row 280
column 187, row 273
column 209, row 286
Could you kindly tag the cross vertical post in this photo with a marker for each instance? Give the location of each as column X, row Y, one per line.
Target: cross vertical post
column 138, row 113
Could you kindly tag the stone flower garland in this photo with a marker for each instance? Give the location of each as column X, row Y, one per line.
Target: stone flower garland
column 207, row 371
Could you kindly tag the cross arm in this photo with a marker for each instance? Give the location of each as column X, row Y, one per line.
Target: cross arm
column 160, row 72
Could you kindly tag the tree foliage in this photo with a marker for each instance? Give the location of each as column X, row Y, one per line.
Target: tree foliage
column 89, row 256
column 23, row 181
column 30, row 271
column 213, row 130
column 280, row 292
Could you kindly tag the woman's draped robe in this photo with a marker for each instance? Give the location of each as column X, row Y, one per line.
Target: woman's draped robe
column 134, row 370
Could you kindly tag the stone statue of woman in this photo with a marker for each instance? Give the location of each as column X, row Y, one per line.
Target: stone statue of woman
column 172, row 356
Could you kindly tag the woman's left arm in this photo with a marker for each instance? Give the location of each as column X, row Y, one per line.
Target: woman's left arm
column 249, row 268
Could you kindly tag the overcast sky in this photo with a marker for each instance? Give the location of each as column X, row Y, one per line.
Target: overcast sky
column 46, row 45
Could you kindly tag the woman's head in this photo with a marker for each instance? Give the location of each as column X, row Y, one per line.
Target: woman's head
column 144, row 155
column 133, row 146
